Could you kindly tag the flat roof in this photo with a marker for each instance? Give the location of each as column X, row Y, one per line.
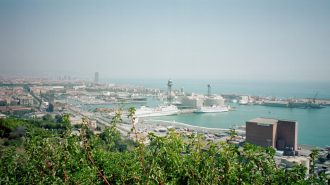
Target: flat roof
column 269, row 121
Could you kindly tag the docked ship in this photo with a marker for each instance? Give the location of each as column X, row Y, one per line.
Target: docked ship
column 138, row 98
column 293, row 104
column 305, row 105
column 158, row 111
column 276, row 103
column 213, row 109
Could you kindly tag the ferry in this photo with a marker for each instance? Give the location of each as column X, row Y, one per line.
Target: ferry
column 213, row 109
column 158, row 111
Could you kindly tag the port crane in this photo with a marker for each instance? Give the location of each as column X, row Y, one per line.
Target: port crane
column 209, row 90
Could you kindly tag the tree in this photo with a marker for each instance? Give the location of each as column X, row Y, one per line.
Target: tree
column 313, row 155
column 48, row 157
column 58, row 118
column 47, row 117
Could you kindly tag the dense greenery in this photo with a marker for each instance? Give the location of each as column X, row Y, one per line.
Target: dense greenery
column 45, row 156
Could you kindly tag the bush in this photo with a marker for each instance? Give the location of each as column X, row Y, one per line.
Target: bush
column 53, row 158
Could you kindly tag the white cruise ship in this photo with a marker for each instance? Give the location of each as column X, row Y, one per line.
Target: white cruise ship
column 158, row 111
column 213, row 109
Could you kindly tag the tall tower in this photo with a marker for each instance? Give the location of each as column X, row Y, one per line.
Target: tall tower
column 96, row 77
column 169, row 91
column 208, row 90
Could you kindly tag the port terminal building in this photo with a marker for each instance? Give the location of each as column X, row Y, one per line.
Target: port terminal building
column 197, row 101
column 279, row 134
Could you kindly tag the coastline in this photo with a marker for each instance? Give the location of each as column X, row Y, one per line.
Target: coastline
column 190, row 126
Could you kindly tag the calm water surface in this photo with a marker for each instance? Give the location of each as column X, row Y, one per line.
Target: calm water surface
column 313, row 124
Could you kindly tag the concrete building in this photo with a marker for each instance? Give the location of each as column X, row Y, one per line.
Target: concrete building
column 215, row 100
column 192, row 101
column 75, row 120
column 96, row 77
column 287, row 135
column 78, row 87
column 290, row 162
column 280, row 134
column 25, row 100
column 244, row 100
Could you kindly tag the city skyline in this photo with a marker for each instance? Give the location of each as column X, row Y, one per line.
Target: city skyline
column 238, row 40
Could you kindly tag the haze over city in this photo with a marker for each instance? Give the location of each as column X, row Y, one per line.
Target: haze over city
column 164, row 92
column 270, row 40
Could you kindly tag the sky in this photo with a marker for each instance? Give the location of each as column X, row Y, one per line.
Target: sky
column 281, row 40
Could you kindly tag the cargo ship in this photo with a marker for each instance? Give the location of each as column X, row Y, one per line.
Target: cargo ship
column 292, row 104
column 305, row 105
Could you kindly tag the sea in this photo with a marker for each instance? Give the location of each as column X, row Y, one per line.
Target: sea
column 313, row 124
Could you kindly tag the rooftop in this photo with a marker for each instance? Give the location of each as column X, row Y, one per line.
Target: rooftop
column 2, row 115
column 264, row 121
column 268, row 121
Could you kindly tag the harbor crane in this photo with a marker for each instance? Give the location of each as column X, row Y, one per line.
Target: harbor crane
column 169, row 91
column 208, row 90
column 314, row 99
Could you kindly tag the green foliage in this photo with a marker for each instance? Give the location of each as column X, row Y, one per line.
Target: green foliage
column 58, row 124
column 3, row 103
column 58, row 118
column 47, row 117
column 10, row 124
column 131, row 112
column 313, row 155
column 47, row 157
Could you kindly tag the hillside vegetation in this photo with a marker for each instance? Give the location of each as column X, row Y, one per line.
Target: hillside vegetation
column 37, row 152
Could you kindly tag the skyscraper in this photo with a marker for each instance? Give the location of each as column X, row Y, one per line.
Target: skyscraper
column 96, row 77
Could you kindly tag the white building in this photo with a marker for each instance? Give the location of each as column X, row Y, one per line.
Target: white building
column 193, row 101
column 25, row 100
column 92, row 124
column 2, row 116
column 291, row 161
column 79, row 87
column 216, row 100
column 244, row 100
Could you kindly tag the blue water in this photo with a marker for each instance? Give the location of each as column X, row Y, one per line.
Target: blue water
column 314, row 124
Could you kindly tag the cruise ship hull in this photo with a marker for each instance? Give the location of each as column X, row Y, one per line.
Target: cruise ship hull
column 212, row 109
column 155, row 112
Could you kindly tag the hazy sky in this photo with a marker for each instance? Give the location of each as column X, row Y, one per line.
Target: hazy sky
column 220, row 39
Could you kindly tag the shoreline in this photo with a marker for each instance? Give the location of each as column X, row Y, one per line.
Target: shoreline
column 152, row 124
column 175, row 124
